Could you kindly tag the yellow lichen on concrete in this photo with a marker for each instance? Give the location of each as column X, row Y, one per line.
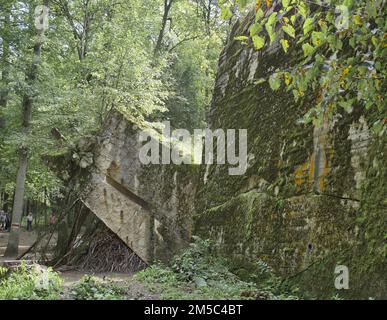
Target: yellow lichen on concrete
column 316, row 170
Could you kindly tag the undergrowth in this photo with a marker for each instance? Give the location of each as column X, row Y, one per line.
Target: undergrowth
column 201, row 273
column 29, row 283
column 91, row 288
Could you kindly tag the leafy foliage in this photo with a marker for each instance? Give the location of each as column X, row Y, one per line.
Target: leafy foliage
column 201, row 273
column 98, row 56
column 344, row 46
column 30, row 282
column 196, row 275
column 91, row 288
column 3, row 272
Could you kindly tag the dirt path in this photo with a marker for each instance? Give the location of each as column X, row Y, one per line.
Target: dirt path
column 26, row 240
column 134, row 290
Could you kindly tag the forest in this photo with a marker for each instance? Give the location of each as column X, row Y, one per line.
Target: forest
column 296, row 88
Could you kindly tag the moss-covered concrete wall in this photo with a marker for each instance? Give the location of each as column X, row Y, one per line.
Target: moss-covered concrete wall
column 312, row 197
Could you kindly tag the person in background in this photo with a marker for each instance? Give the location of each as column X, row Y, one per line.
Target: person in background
column 2, row 220
column 7, row 221
column 52, row 219
column 30, row 218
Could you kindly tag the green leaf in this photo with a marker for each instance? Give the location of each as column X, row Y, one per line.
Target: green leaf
column 377, row 127
column 258, row 42
column 285, row 4
column 272, row 19
column 308, row 25
column 259, row 15
column 270, row 27
column 318, row 38
column 303, row 9
column 285, row 45
column 271, row 33
column 371, row 9
column 255, row 29
column 226, row 13
column 260, row 81
column 241, row 38
column 242, row 3
column 347, row 104
column 308, row 49
column 275, row 82
column 289, row 30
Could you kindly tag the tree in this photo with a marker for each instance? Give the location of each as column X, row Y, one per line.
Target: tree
column 167, row 9
column 5, row 7
column 27, row 104
column 99, row 56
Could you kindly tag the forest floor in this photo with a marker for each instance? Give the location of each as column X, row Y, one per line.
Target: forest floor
column 206, row 278
column 26, row 240
column 133, row 289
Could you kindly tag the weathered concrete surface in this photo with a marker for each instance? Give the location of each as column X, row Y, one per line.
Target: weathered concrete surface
column 312, row 197
column 146, row 206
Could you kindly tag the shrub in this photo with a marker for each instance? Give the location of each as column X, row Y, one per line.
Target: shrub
column 3, row 272
column 196, row 274
column 30, row 282
column 91, row 288
column 201, row 273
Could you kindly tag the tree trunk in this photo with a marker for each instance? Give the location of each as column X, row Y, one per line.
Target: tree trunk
column 13, row 241
column 31, row 76
column 5, row 66
column 167, row 8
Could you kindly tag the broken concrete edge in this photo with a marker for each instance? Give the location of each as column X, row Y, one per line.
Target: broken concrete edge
column 132, row 199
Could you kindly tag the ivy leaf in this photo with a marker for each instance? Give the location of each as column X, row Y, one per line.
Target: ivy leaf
column 289, row 30
column 258, row 42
